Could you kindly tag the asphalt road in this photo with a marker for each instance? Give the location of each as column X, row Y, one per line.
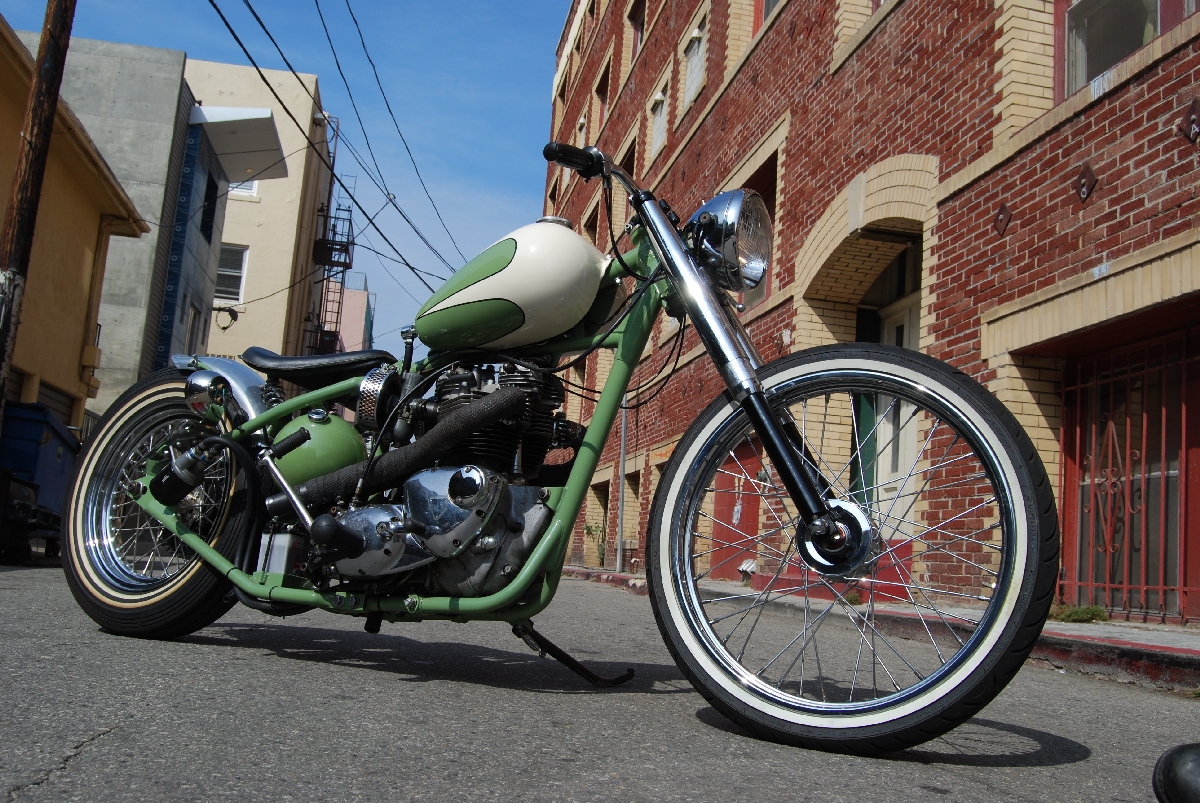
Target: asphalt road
column 314, row 709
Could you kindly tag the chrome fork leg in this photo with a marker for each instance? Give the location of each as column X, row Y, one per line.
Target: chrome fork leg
column 735, row 358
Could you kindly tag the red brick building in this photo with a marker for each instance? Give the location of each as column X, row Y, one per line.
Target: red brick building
column 1007, row 185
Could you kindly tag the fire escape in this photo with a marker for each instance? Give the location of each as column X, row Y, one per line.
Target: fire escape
column 334, row 253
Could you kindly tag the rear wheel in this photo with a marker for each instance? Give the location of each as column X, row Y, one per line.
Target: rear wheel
column 128, row 572
column 913, row 635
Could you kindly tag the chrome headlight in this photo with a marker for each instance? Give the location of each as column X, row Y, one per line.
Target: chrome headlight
column 731, row 237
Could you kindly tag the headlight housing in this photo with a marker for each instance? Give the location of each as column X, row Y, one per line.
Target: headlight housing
column 731, row 237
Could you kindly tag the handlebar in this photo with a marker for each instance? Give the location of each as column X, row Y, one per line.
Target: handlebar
column 588, row 162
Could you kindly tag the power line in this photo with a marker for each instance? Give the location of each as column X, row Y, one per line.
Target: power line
column 400, row 133
column 376, row 177
column 354, row 105
column 379, row 258
column 390, row 200
column 385, row 256
column 308, row 275
column 305, row 133
column 378, row 171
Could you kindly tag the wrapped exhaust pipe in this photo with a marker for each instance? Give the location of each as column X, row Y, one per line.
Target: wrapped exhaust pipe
column 393, row 467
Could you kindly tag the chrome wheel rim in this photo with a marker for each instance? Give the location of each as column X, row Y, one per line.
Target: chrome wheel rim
column 898, row 625
column 128, row 547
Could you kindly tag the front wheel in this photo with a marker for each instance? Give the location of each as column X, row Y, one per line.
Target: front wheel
column 917, row 633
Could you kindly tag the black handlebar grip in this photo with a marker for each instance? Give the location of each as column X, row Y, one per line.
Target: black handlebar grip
column 290, row 443
column 587, row 162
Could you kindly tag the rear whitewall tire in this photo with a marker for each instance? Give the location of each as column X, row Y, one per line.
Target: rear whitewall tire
column 173, row 592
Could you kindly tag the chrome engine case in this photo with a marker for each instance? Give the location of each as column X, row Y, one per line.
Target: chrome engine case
column 483, row 539
column 390, row 547
column 467, row 524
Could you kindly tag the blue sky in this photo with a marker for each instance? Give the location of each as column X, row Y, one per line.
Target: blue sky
column 469, row 83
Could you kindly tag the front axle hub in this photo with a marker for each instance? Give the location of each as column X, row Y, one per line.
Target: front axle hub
column 838, row 543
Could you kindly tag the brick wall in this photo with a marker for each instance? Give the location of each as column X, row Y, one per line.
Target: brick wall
column 918, row 120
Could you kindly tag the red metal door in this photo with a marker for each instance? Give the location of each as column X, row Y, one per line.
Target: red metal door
column 735, row 513
column 1127, row 443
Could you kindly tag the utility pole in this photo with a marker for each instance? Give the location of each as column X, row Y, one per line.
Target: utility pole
column 16, row 238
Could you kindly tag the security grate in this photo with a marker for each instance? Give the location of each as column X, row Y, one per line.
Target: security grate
column 1125, row 440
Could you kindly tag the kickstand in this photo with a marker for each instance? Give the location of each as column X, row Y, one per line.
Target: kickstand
column 542, row 646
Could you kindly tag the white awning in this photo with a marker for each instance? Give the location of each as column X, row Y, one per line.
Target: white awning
column 246, row 141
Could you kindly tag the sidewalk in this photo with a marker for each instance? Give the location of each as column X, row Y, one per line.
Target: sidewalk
column 1161, row 656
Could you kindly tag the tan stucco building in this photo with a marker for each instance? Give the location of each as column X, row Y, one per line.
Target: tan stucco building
column 267, row 274
column 82, row 205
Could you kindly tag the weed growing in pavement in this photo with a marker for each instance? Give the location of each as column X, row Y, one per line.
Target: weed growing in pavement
column 1076, row 613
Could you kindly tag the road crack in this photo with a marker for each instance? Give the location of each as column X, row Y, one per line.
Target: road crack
column 16, row 791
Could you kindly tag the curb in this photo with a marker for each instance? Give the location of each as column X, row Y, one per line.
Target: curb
column 1109, row 659
column 634, row 584
column 1124, row 662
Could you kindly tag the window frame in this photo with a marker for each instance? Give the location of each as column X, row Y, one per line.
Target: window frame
column 1065, row 42
column 701, row 19
column 235, row 188
column 245, row 249
column 774, row 144
column 663, row 91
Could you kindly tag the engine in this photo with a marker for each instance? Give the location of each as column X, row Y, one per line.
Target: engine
column 458, row 510
column 515, row 446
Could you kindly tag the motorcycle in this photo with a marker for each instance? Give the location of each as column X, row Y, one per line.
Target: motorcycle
column 853, row 548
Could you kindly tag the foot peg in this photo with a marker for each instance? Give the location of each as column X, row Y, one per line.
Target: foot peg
column 544, row 646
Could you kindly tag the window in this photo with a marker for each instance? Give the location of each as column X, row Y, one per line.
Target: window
column 764, row 181
column 762, row 11
column 244, row 188
column 1102, row 33
column 561, row 106
column 552, row 198
column 230, row 271
column 628, row 162
column 581, row 132
column 195, row 329
column 208, row 217
column 637, row 27
column 602, row 98
column 658, row 121
column 693, row 63
column 591, row 225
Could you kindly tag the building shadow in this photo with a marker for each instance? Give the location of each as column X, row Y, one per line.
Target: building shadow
column 415, row 661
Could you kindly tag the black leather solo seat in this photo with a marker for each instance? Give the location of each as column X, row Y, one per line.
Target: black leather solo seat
column 317, row 370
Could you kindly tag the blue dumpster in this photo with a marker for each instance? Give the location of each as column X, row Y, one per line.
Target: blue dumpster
column 38, row 448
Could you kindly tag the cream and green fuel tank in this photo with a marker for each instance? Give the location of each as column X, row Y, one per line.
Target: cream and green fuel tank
column 535, row 283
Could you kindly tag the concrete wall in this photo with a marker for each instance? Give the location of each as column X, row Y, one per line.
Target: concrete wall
column 278, row 223
column 81, row 206
column 128, row 97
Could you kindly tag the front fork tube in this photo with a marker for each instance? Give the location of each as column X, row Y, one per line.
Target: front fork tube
column 736, row 359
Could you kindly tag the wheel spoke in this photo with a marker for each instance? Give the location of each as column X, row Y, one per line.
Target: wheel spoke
column 905, row 614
